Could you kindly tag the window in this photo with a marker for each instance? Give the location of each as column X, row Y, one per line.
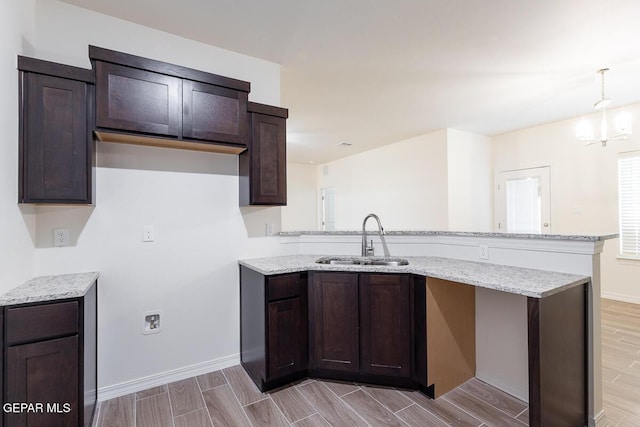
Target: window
column 629, row 204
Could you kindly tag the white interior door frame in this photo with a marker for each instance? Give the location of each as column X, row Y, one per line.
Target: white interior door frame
column 327, row 205
column 502, row 178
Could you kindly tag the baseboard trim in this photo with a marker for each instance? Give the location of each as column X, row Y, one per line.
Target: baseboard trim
column 122, row 389
column 600, row 420
column 620, row 297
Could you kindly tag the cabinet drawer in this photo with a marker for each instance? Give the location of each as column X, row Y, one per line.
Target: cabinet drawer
column 41, row 321
column 288, row 285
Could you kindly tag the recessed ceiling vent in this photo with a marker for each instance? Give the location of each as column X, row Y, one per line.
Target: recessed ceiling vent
column 344, row 144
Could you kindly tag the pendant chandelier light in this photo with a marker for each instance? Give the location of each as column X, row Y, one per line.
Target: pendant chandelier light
column 584, row 130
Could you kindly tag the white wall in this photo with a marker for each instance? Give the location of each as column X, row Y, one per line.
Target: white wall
column 469, row 174
column 584, row 194
column 16, row 223
column 405, row 183
column 190, row 272
column 438, row 181
column 301, row 212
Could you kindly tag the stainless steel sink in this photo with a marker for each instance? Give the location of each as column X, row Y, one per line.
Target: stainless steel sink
column 394, row 262
column 346, row 260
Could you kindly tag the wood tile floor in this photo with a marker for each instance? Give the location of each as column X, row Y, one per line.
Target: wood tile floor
column 229, row 398
column 621, row 362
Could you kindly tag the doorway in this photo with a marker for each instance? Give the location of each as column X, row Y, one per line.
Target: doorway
column 522, row 202
column 328, row 208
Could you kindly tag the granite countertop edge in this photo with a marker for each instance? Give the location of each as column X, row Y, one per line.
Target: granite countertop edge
column 572, row 237
column 516, row 280
column 50, row 288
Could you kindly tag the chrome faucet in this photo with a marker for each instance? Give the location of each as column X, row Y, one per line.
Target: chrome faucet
column 368, row 250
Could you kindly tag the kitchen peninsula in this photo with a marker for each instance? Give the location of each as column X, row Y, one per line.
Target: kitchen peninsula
column 533, row 314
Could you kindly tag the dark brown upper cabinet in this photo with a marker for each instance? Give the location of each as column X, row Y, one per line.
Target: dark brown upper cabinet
column 213, row 113
column 56, row 149
column 130, row 99
column 263, row 167
column 143, row 101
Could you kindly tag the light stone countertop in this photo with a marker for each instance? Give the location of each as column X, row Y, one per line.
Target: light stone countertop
column 49, row 288
column 515, row 280
column 575, row 237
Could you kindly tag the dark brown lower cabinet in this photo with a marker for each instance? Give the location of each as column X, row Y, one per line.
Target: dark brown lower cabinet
column 50, row 362
column 349, row 326
column 385, row 325
column 334, row 325
column 286, row 335
column 367, row 327
column 333, row 322
column 41, row 373
column 273, row 327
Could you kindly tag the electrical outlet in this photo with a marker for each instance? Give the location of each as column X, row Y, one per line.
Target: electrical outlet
column 148, row 234
column 484, row 252
column 269, row 229
column 60, row 237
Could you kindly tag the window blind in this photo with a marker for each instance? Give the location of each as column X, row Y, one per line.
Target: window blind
column 629, row 204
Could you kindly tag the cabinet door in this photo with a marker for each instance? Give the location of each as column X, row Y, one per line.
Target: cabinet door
column 268, row 160
column 287, row 337
column 214, row 113
column 55, row 146
column 333, row 322
column 44, row 372
column 134, row 100
column 385, row 324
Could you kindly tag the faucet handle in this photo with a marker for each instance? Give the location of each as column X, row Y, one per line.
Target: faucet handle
column 369, row 250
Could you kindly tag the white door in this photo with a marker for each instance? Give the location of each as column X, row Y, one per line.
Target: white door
column 522, row 202
column 328, row 206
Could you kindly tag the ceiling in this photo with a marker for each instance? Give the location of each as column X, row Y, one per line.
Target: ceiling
column 374, row 72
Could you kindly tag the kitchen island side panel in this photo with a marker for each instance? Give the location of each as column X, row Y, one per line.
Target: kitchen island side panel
column 252, row 324
column 558, row 359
